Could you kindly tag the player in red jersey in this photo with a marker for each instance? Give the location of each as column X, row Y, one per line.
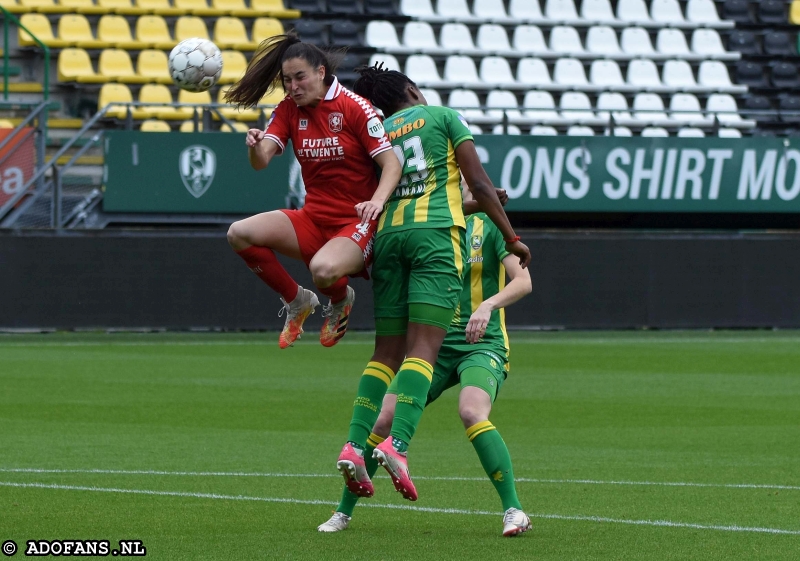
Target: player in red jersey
column 337, row 138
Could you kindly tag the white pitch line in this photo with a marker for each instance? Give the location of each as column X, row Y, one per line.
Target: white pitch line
column 420, row 477
column 657, row 523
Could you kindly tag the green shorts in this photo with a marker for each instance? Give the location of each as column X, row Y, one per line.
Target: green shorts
column 481, row 366
column 417, row 266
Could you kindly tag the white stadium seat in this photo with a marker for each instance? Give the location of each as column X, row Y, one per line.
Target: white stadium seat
column 632, row 11
column 666, row 11
column 496, row 70
column 529, row 39
column 456, row 37
column 505, row 100
column 606, row 74
column 560, row 11
column 707, row 43
column 422, row 69
column 525, row 10
column 381, row 34
column 636, row 41
column 713, row 75
column 597, row 10
column 729, row 133
column 685, row 107
column 643, row 73
column 725, row 108
column 575, row 106
column 613, row 103
column 654, row 132
column 672, row 42
column 512, row 129
column 540, row 106
column 619, row 131
column 431, row 96
column 460, row 70
column 580, row 130
column 702, row 11
column 493, row 10
column 417, row 8
column 467, row 103
column 602, row 40
column 691, row 132
column 475, row 129
column 649, row 108
column 564, row 39
column 533, row 72
column 494, row 39
column 453, row 10
column 570, row 72
column 543, row 130
column 418, row 36
column 678, row 74
column 389, row 61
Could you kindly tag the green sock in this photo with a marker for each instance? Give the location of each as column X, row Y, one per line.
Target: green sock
column 413, row 383
column 371, row 389
column 496, row 461
column 349, row 500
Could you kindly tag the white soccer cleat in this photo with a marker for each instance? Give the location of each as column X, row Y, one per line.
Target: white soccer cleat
column 296, row 313
column 338, row 522
column 515, row 522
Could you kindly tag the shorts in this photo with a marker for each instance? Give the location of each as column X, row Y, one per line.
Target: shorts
column 417, row 266
column 311, row 236
column 487, row 370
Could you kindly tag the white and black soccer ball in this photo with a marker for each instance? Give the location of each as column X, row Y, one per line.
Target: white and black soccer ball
column 195, row 64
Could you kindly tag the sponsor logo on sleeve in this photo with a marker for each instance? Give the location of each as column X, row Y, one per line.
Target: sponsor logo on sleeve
column 375, row 128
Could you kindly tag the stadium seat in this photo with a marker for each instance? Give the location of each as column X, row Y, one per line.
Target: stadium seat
column 565, row 40
column 580, row 130
column 379, row 7
column 431, row 96
column 619, row 131
column 658, row 132
column 789, row 107
column 779, row 43
column 154, row 65
column 197, row 8
column 275, row 9
column 74, row 65
column 122, row 7
column 422, row 9
column 598, row 11
column 540, row 107
column 75, row 30
column 570, row 72
column 153, row 31
column 713, row 76
column 159, row 7
column 575, row 106
column 561, row 11
column 39, row 25
column 86, row 7
column 14, row 7
column 492, row 38
column 737, row 11
column 495, row 70
column 417, row 37
column 232, row 112
column 666, row 11
column 389, row 62
column 636, row 41
column 229, row 33
column 454, row 9
column 155, row 125
column 187, row 27
column 794, row 13
column 475, row 130
column 678, row 74
column 421, row 69
column 266, row 27
column 156, row 93
column 755, row 106
column 201, row 98
column 234, row 64
column 606, row 74
column 344, row 7
column 237, row 127
column 115, row 32
column 311, row 32
column 750, row 73
column 460, row 70
column 525, row 10
column 602, row 40
column 42, row 6
column 111, row 96
column 529, row 39
column 191, row 126
column 345, row 33
column 613, row 103
column 772, row 11
column 649, row 108
column 743, row 41
column 345, row 71
column 702, row 12
column 457, row 37
column 543, row 130
column 672, row 42
column 690, row 132
column 467, row 103
column 784, row 75
column 633, row 11
column 643, row 74
column 382, row 35
column 307, row 6
column 685, row 108
column 533, row 72
column 724, row 107
column 707, row 42
column 493, row 10
column 510, row 130
column 502, row 101
column 724, row 132
column 116, row 66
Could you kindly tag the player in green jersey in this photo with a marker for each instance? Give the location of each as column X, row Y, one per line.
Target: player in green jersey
column 418, row 267
column 475, row 355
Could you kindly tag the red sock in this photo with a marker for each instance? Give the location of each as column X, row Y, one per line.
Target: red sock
column 262, row 261
column 337, row 291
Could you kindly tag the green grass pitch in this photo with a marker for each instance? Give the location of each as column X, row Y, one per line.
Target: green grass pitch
column 627, row 446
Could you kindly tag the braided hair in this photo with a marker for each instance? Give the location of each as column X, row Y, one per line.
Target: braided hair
column 265, row 71
column 384, row 88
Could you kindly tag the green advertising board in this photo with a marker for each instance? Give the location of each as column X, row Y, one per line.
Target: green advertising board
column 210, row 173
column 189, row 173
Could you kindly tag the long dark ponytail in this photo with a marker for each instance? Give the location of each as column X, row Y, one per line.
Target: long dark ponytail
column 265, row 72
column 384, row 88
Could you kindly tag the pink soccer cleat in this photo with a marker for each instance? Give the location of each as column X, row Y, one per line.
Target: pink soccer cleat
column 397, row 466
column 352, row 467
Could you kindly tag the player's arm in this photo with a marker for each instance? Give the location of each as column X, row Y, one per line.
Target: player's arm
column 470, row 205
column 260, row 150
column 484, row 192
column 519, row 286
column 390, row 177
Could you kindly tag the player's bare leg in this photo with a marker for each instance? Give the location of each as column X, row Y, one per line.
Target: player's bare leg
column 329, row 268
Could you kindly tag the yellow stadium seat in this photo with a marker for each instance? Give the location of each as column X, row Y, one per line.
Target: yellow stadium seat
column 188, row 126
column 123, row 7
column 231, row 111
column 155, row 125
column 75, row 29
column 237, row 127
column 794, row 13
column 6, row 124
column 233, row 7
column 273, row 8
column 197, row 8
column 187, row 27
column 74, row 65
column 153, row 30
column 154, row 65
column 229, row 33
column 185, row 112
column 40, row 27
column 156, row 93
column 115, row 94
column 263, row 28
column 233, row 66
column 13, row 6
column 116, row 66
column 159, row 7
column 82, row 6
column 43, row 6
column 116, row 32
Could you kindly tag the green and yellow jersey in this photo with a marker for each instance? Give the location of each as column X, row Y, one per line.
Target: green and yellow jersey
column 484, row 276
column 425, row 139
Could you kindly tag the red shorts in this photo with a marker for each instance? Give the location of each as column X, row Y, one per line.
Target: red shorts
column 311, row 236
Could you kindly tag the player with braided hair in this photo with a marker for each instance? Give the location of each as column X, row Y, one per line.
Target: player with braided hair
column 417, row 273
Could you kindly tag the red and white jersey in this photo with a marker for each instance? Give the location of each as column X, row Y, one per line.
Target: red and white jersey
column 334, row 143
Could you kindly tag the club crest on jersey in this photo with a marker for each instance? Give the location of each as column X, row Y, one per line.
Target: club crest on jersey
column 363, row 229
column 476, row 242
column 335, row 122
column 303, row 124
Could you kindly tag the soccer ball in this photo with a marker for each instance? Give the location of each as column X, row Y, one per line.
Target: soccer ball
column 195, row 64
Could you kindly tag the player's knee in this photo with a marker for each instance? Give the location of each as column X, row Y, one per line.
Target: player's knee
column 236, row 236
column 471, row 415
column 323, row 272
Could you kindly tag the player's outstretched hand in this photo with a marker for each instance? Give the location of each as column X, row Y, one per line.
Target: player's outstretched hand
column 520, row 250
column 476, row 328
column 254, row 136
column 368, row 211
column 502, row 195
